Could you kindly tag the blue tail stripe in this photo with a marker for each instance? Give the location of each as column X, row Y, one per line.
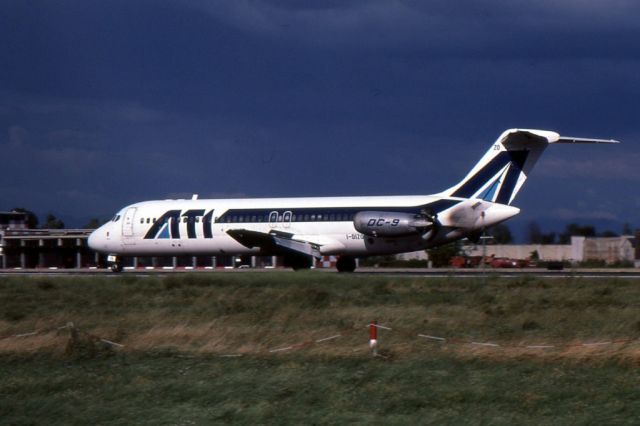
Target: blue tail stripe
column 488, row 194
column 510, row 181
column 478, row 180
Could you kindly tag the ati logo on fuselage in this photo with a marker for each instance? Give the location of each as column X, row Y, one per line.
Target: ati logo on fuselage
column 168, row 225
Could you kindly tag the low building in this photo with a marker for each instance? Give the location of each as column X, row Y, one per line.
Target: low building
column 552, row 252
column 611, row 250
column 40, row 248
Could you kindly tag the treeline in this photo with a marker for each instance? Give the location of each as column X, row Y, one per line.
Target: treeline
column 50, row 220
column 536, row 236
column 501, row 234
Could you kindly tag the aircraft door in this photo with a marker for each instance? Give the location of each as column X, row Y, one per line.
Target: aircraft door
column 127, row 225
column 127, row 222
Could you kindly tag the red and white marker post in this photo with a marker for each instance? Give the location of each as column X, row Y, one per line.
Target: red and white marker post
column 373, row 337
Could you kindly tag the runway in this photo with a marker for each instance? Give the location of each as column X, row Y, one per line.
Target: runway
column 627, row 273
column 474, row 273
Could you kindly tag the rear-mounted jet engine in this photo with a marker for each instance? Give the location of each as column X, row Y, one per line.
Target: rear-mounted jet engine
column 393, row 224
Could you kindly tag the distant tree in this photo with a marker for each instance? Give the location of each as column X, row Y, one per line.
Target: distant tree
column 534, row 234
column 52, row 222
column 608, row 233
column 32, row 219
column 501, row 234
column 549, row 238
column 92, row 224
column 573, row 229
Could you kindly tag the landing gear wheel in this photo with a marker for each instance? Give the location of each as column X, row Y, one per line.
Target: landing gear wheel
column 346, row 264
column 116, row 267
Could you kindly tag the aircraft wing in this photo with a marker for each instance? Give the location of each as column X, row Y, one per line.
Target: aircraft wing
column 278, row 241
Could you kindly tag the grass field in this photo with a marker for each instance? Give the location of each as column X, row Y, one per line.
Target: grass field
column 197, row 350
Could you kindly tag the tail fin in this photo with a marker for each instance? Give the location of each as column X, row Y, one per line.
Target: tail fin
column 502, row 171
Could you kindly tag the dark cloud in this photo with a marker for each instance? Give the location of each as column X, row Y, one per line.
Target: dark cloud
column 501, row 28
column 106, row 103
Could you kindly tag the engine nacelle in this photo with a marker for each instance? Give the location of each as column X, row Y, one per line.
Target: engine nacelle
column 391, row 224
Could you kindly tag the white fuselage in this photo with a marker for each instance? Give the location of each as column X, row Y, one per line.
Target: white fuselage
column 199, row 227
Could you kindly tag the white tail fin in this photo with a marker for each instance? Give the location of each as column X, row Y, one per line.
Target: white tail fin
column 502, row 171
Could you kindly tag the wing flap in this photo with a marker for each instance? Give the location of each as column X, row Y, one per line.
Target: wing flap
column 303, row 247
column 276, row 241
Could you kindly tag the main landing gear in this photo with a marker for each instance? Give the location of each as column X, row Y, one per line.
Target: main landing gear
column 346, row 264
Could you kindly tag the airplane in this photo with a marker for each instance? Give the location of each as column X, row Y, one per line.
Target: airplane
column 301, row 229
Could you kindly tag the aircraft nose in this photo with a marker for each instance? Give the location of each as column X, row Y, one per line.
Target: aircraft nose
column 96, row 240
column 92, row 240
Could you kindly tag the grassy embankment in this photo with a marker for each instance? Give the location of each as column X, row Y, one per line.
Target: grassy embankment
column 177, row 328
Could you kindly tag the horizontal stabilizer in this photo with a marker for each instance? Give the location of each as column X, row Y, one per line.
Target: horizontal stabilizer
column 569, row 139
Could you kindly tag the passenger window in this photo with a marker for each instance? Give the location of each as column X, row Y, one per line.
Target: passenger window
column 253, row 218
column 197, row 219
column 313, row 217
column 306, row 218
column 332, row 217
column 141, row 220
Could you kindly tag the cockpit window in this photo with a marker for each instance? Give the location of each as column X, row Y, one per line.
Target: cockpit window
column 116, row 218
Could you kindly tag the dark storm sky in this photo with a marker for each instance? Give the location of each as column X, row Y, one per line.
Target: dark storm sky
column 104, row 103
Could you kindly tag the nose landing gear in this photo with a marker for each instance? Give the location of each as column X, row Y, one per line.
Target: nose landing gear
column 115, row 264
